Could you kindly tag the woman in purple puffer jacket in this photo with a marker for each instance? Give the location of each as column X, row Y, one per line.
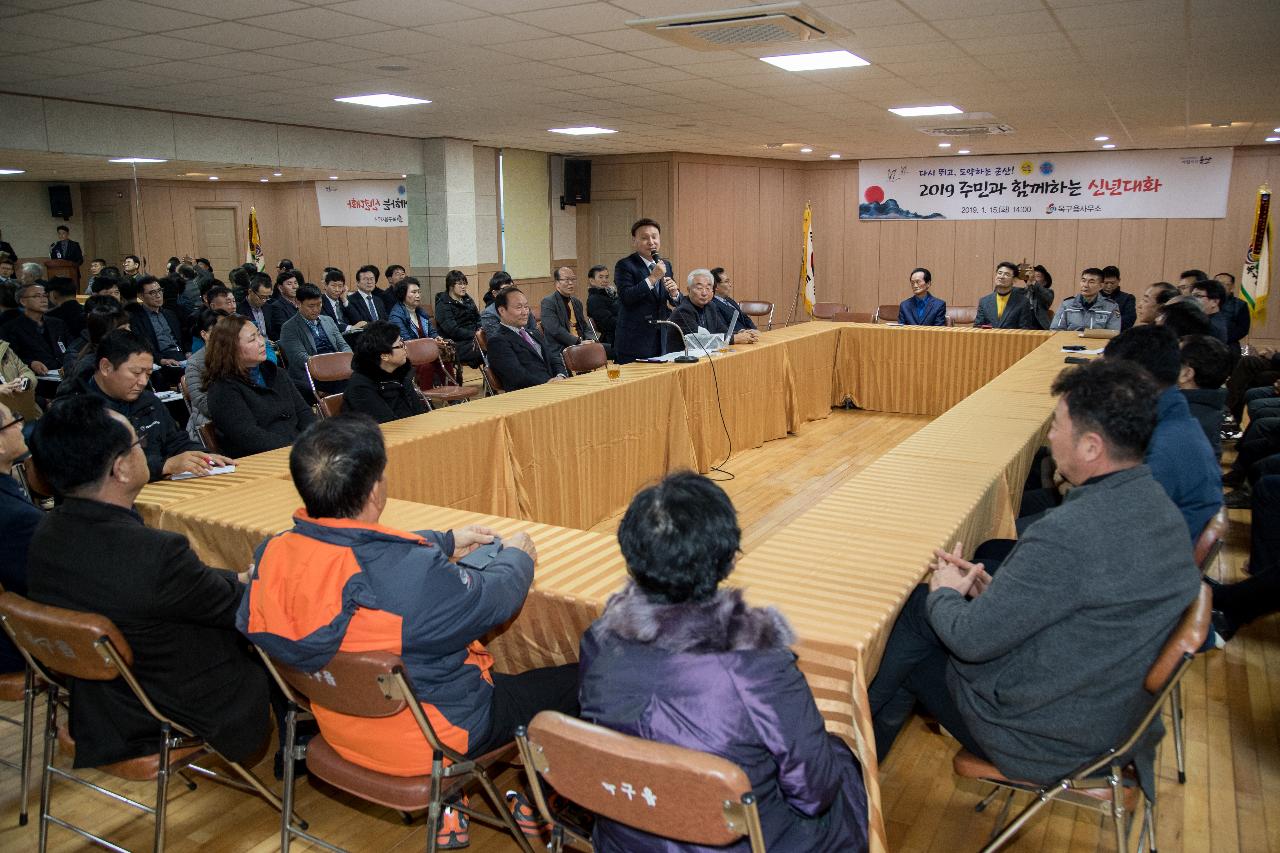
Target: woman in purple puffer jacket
column 676, row 660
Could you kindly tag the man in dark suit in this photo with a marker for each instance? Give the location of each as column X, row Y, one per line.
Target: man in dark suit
column 39, row 340
column 66, row 249
column 646, row 293
column 334, row 304
column 1007, row 307
column 564, row 322
column 161, row 329
column 308, row 333
column 254, row 304
column 93, row 553
column 366, row 304
column 699, row 310
column 1124, row 301
column 518, row 355
column 922, row 308
column 64, row 305
column 726, row 303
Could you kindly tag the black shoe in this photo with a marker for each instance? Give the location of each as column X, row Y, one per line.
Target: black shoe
column 1234, row 479
column 1223, row 628
column 1237, row 499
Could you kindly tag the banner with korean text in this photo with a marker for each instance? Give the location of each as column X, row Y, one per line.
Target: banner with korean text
column 369, row 204
column 1186, row 183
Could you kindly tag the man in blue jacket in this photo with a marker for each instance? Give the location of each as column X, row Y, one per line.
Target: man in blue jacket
column 646, row 294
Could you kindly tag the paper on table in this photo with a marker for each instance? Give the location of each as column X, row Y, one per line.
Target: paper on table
column 213, row 472
column 1097, row 351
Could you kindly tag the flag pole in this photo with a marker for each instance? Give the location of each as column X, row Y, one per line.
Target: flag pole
column 804, row 273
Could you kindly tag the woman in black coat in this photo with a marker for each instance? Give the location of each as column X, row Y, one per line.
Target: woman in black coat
column 381, row 384
column 457, row 317
column 253, row 403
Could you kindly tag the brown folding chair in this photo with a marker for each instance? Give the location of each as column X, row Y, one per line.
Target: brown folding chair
column 961, row 315
column 59, row 645
column 209, row 436
column 424, row 352
column 758, row 308
column 374, row 684
column 852, row 317
column 486, row 370
column 1209, row 545
column 186, row 395
column 329, row 405
column 886, row 314
column 22, row 687
column 1084, row 787
column 584, row 357
column 826, row 310
column 327, row 367
column 686, row 795
column 32, row 480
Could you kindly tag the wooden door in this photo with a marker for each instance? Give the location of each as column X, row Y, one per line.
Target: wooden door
column 103, row 237
column 216, row 238
column 611, row 220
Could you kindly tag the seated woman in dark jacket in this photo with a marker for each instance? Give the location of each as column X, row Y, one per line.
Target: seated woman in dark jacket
column 253, row 404
column 457, row 317
column 675, row 660
column 381, row 384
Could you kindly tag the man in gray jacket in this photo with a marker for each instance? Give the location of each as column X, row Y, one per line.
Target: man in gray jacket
column 1040, row 667
column 310, row 332
column 1088, row 309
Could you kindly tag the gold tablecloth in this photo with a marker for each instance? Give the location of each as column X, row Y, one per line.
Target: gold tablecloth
column 162, row 494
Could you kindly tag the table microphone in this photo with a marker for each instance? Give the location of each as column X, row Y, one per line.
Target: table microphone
column 680, row 359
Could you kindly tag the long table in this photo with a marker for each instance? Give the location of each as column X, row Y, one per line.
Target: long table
column 576, row 451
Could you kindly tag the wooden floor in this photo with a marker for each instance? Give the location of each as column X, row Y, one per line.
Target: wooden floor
column 1231, row 800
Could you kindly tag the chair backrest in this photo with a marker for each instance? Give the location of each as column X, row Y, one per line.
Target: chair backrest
column 961, row 315
column 758, row 308
column 655, row 787
column 584, row 357
column 329, row 367
column 330, row 405
column 826, row 310
column 209, row 436
column 853, row 317
column 422, row 351
column 358, row 684
column 63, row 641
column 482, row 341
column 36, row 483
column 886, row 314
column 1187, row 638
column 490, row 378
column 185, row 389
column 1210, row 541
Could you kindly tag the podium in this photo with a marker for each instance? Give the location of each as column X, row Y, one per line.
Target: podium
column 65, row 269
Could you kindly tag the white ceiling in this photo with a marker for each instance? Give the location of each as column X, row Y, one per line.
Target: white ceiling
column 1148, row 73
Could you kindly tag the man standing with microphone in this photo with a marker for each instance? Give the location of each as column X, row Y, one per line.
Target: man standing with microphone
column 646, row 294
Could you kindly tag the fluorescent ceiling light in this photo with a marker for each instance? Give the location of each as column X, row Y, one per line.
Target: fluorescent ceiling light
column 1268, row 139
column 278, row 174
column 1109, row 145
column 333, row 177
column 135, row 160
column 214, row 178
column 1102, row 139
column 806, row 150
column 13, row 171
column 264, row 180
column 580, row 131
column 944, row 144
column 963, row 151
column 816, row 61
column 940, row 110
column 834, row 156
column 381, row 100
column 404, row 176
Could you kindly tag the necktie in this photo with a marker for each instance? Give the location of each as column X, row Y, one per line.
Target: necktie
column 373, row 312
column 528, row 339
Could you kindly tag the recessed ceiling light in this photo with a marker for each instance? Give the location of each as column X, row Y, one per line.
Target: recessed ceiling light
column 587, row 130
column 963, row 151
column 834, row 156
column 277, row 174
column 816, row 61
column 264, row 180
column 1109, row 145
column 1273, row 139
column 1220, row 124
column 333, row 177
column 1102, row 139
column 392, row 67
column 940, row 110
column 1275, row 129
column 135, row 160
column 806, row 150
column 944, row 144
column 381, row 100
column 213, row 177
column 404, row 176
column 13, row 171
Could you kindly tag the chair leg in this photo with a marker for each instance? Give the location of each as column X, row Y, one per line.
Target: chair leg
column 50, row 736
column 435, row 809
column 1117, row 810
column 500, row 806
column 1149, row 825
column 1179, row 746
column 1004, row 814
column 28, row 733
column 986, row 801
column 162, row 786
column 1042, row 799
column 286, row 751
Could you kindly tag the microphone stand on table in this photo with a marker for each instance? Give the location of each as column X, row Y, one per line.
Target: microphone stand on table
column 680, row 359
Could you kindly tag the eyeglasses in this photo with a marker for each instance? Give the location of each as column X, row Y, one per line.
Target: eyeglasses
column 17, row 419
column 40, row 294
column 399, row 345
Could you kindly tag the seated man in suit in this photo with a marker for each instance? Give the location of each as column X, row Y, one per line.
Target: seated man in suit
column 725, row 302
column 564, row 322
column 159, row 327
column 602, row 303
column 1126, row 302
column 646, row 293
column 367, row 305
column 335, row 301
column 1088, row 309
column 699, row 311
column 310, row 332
column 923, row 308
column 254, row 304
column 1007, row 307
column 64, row 306
column 38, row 339
column 93, row 553
column 518, row 355
column 1212, row 297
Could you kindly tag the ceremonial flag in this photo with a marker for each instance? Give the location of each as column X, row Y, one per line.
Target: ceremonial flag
column 1255, row 281
column 254, row 255
column 806, row 276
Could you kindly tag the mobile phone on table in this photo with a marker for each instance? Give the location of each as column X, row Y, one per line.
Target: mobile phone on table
column 482, row 556
column 1074, row 347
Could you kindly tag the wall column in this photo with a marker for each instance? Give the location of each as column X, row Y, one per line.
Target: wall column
column 443, row 235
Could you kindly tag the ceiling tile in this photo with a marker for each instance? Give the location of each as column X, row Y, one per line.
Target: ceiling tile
column 605, row 62
column 408, row 13
column 137, row 16
column 316, row 23
column 249, row 60
column 626, row 39
column 572, row 20
column 237, row 35
column 489, row 30
column 66, row 29
column 165, row 48
column 558, row 47
column 1018, row 25
column 941, row 10
column 230, row 10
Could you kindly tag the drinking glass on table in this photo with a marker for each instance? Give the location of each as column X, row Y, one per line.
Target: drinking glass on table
column 613, row 369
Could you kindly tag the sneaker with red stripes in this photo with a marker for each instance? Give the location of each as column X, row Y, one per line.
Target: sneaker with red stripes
column 455, row 831
column 527, row 818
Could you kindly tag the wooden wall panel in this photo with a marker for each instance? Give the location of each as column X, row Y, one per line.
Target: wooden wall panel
column 1188, row 244
column 1098, row 244
column 975, row 260
column 936, row 252
column 1142, row 253
column 898, row 243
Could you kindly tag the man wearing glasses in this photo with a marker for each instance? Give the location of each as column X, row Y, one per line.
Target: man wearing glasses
column 120, row 381
column 39, row 340
column 161, row 328
column 18, row 520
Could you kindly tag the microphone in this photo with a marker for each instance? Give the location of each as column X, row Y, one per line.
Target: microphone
column 680, row 359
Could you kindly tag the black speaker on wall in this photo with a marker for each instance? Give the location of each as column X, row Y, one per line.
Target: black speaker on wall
column 60, row 201
column 577, row 183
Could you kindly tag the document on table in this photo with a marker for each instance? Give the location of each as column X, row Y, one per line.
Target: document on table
column 1097, row 351
column 213, row 472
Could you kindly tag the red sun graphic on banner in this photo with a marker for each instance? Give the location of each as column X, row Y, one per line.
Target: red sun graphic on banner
column 874, row 195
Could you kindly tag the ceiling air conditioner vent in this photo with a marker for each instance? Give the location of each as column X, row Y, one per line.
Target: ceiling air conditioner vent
column 968, row 130
column 752, row 26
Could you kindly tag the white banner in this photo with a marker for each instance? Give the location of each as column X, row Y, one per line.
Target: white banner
column 1175, row 184
column 369, row 204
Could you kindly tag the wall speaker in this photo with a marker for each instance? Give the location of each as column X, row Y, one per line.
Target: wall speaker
column 577, row 182
column 60, row 202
